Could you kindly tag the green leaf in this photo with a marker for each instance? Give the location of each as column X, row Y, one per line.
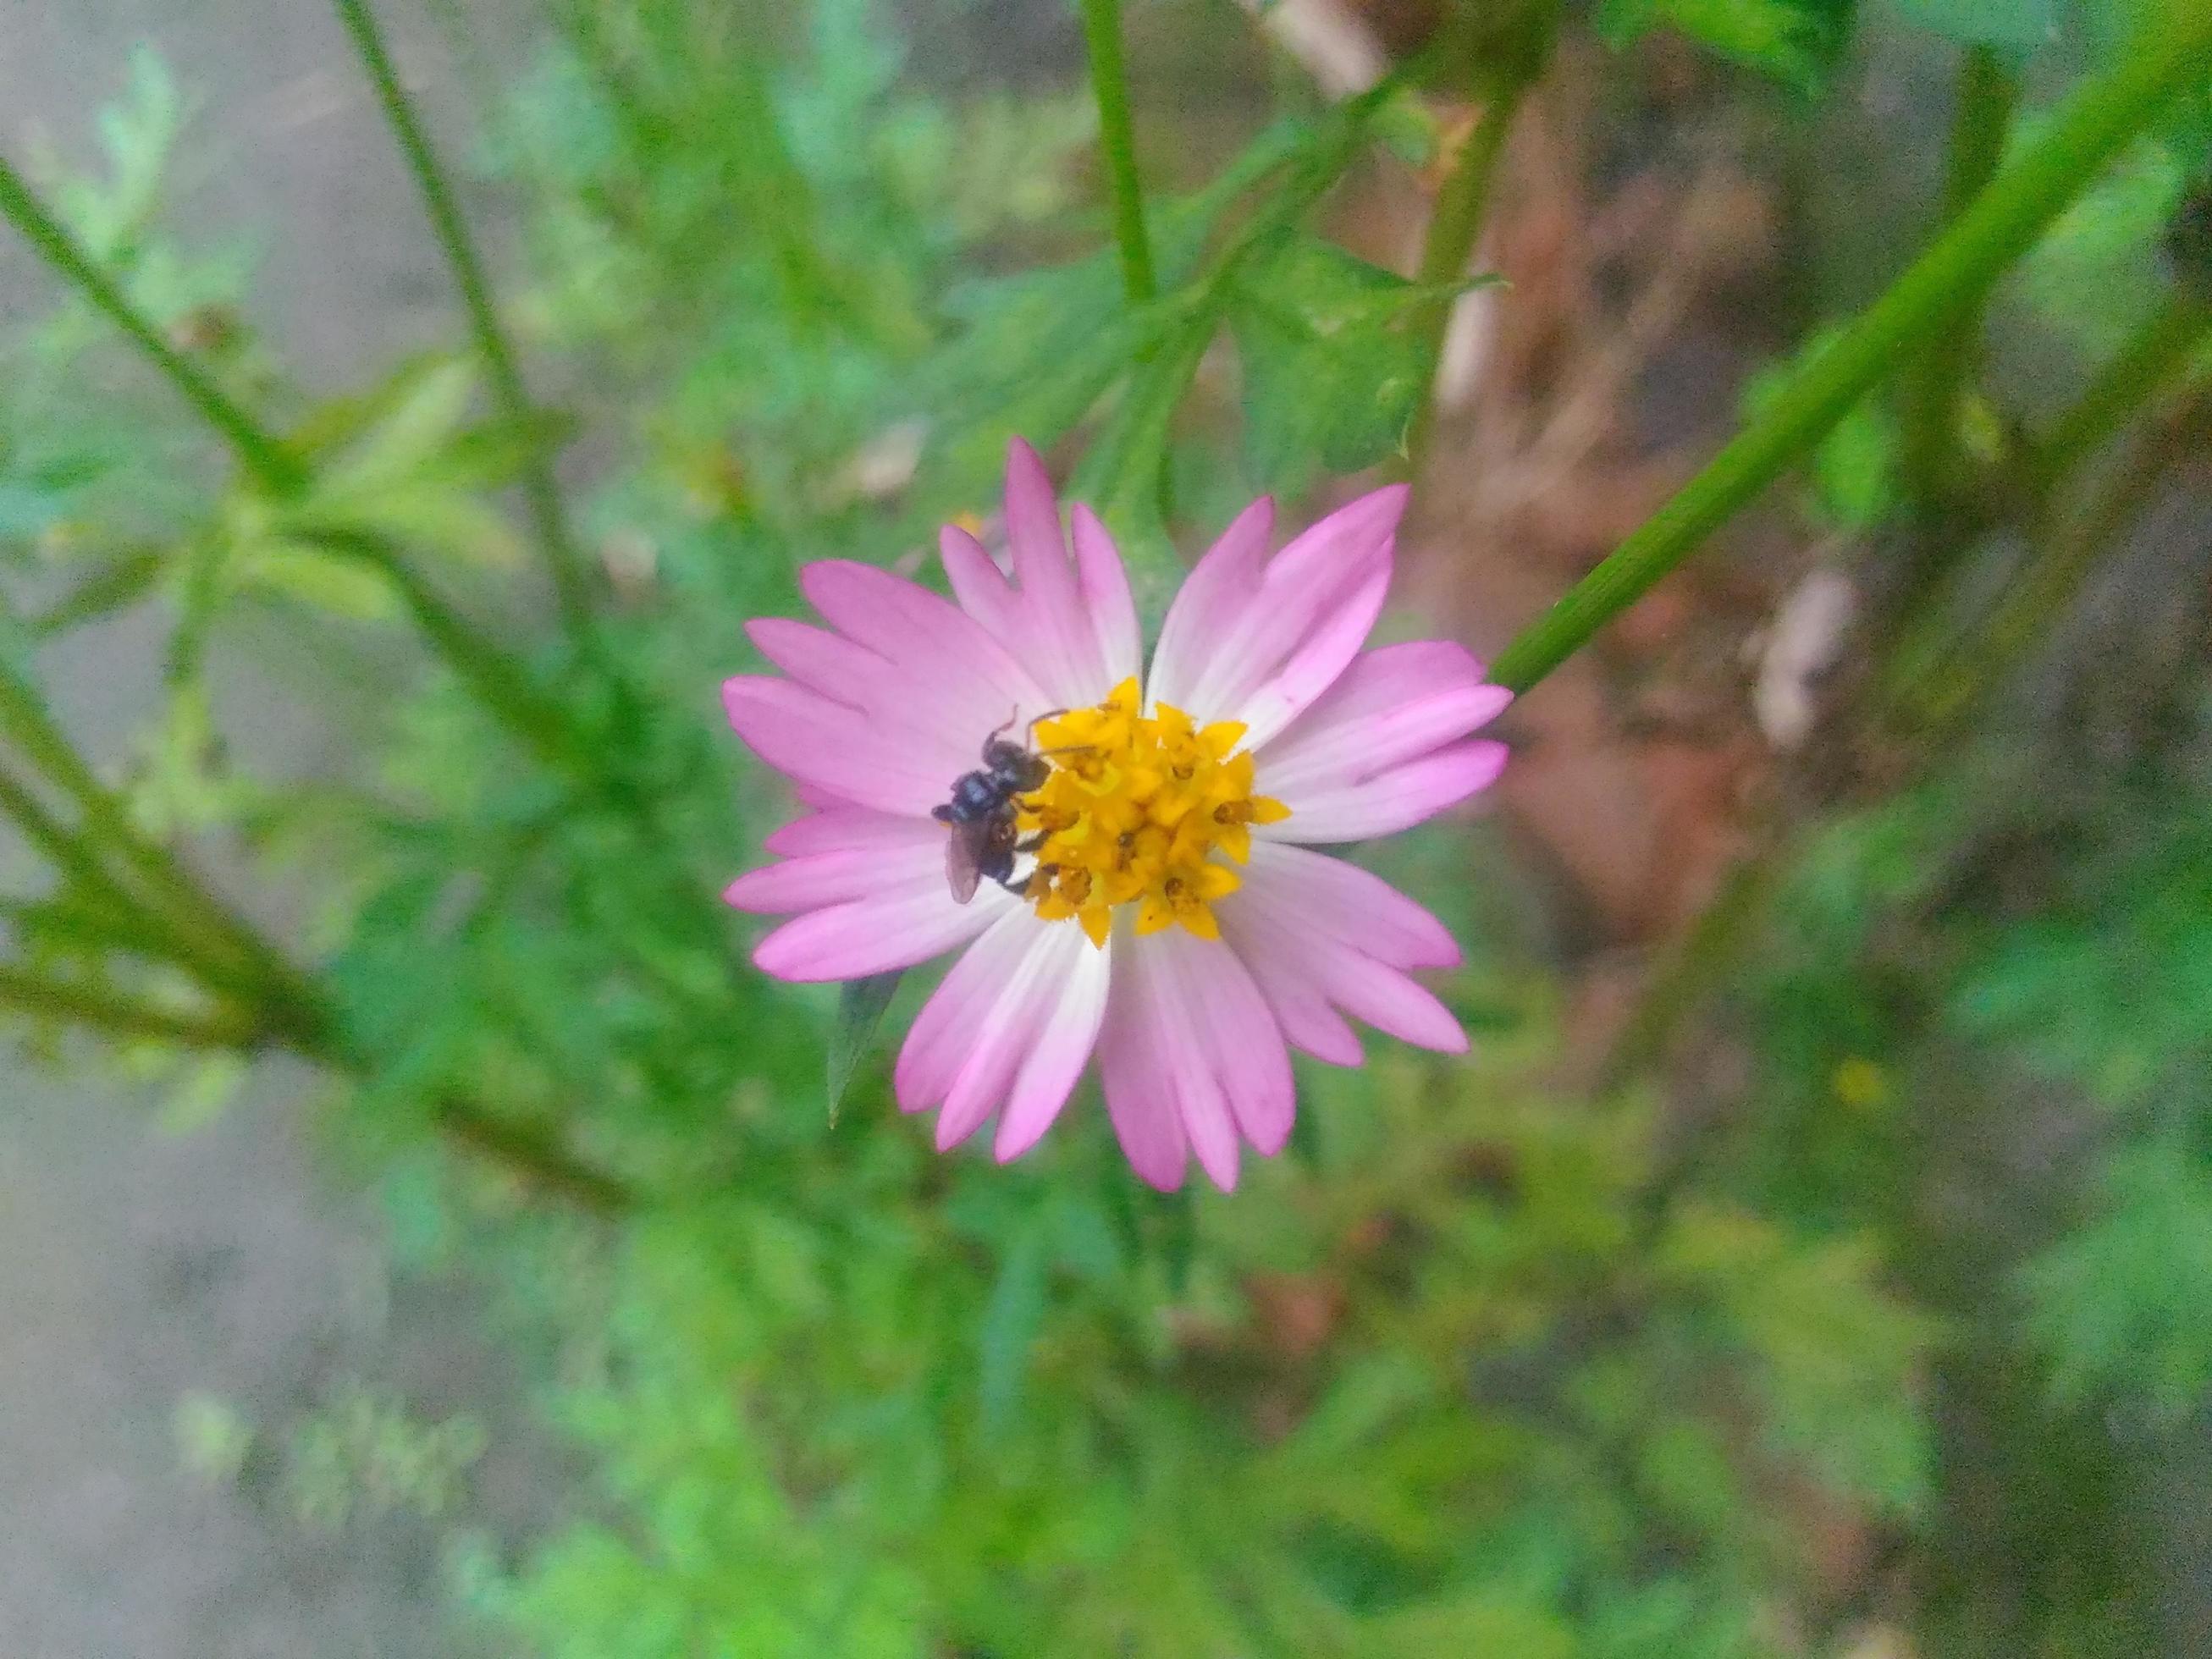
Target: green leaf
column 2119, row 1304
column 1796, row 41
column 1334, row 353
column 1986, row 22
column 1120, row 474
column 861, row 1005
column 1011, row 1321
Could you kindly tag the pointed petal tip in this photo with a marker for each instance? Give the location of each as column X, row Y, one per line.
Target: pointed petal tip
column 951, row 1131
column 737, row 893
column 1010, row 1143
column 1161, row 1181
column 1026, row 468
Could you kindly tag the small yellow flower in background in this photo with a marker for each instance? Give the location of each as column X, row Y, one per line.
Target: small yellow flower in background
column 1861, row 1085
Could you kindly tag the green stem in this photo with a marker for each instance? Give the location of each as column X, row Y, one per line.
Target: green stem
column 172, row 898
column 2161, row 349
column 109, row 905
column 542, row 724
column 533, row 1155
column 261, row 454
column 541, row 494
column 1101, row 33
column 2061, row 563
column 1462, row 203
column 123, row 1017
column 2090, row 128
column 538, row 1158
column 1988, row 92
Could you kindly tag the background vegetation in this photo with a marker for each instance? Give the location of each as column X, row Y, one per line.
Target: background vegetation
column 1813, row 1256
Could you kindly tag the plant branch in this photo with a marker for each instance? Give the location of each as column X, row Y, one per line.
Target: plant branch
column 1102, row 34
column 1945, row 367
column 537, row 1158
column 489, row 669
column 1463, row 203
column 541, row 493
column 206, row 935
column 2089, row 129
column 261, row 454
column 104, row 1010
column 2161, row 349
column 2053, row 577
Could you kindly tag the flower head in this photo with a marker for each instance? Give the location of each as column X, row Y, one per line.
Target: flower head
column 1137, row 845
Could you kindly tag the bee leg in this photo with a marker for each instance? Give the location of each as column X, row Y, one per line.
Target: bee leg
column 1034, row 843
column 1020, row 888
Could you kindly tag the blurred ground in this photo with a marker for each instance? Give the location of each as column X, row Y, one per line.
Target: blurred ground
column 137, row 1266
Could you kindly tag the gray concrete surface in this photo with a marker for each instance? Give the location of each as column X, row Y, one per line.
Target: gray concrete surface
column 136, row 1266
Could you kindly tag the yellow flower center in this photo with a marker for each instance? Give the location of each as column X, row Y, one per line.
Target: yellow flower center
column 1132, row 813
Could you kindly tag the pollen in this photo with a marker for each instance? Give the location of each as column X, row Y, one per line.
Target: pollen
column 1135, row 808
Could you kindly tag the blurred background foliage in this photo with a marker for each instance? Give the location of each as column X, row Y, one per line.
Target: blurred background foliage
column 1813, row 1256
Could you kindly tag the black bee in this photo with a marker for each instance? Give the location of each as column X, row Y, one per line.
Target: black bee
column 980, row 816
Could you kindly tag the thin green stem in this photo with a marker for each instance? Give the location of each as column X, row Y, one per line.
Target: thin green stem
column 1462, row 204
column 104, row 1011
column 2160, row 351
column 488, row 669
column 1945, row 369
column 2061, row 563
column 174, row 901
column 541, row 493
column 526, row 1152
column 1101, row 33
column 259, row 452
column 2090, row 129
column 536, row 1157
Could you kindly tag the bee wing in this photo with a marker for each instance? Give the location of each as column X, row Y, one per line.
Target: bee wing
column 963, row 850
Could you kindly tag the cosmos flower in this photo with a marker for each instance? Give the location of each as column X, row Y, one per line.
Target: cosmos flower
column 1166, row 911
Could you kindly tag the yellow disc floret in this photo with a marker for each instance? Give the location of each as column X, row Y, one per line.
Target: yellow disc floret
column 1134, row 809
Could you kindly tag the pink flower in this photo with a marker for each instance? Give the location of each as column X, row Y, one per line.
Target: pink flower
column 1170, row 914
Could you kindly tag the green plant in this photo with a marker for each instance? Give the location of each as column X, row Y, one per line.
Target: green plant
column 1471, row 1367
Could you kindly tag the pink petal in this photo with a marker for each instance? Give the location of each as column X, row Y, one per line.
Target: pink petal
column 1356, row 906
column 1249, row 1060
column 884, row 855
column 1367, row 990
column 1140, row 1096
column 1392, row 705
column 836, row 748
column 1392, row 801
column 950, row 1023
column 1012, row 1025
column 889, row 710
column 1317, row 664
column 1003, row 1040
column 1209, row 603
column 895, row 928
column 1072, row 624
column 1261, row 650
column 1191, row 1055
column 979, row 586
column 1105, row 585
column 1062, row 1050
column 1320, row 935
column 1066, row 659
column 817, row 659
column 843, row 828
column 951, row 676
